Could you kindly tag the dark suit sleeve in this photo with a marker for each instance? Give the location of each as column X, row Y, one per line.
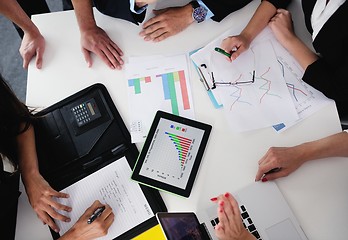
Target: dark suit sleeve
column 222, row 8
column 280, row 3
column 332, row 81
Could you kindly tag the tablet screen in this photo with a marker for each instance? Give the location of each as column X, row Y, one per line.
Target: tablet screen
column 172, row 152
column 178, row 226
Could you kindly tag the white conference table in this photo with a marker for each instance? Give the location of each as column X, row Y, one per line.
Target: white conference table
column 317, row 192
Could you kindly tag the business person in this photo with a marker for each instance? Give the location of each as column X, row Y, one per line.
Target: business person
column 17, row 145
column 38, row 7
column 33, row 43
column 288, row 159
column 170, row 21
column 325, row 69
column 167, row 22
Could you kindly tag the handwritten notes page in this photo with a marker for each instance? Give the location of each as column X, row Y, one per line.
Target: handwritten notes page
column 111, row 185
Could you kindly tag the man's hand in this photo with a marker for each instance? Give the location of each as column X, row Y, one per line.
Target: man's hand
column 32, row 44
column 97, row 41
column 167, row 22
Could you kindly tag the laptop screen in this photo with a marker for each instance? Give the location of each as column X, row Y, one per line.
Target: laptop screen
column 180, row 226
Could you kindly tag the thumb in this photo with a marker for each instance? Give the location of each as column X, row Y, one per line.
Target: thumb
column 87, row 56
column 39, row 54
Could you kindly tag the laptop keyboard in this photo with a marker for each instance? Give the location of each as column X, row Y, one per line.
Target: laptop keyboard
column 247, row 222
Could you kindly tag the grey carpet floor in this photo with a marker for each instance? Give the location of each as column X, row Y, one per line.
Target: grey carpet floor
column 10, row 59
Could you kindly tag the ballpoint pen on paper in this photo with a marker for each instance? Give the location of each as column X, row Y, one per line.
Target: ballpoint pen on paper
column 271, row 171
column 96, row 214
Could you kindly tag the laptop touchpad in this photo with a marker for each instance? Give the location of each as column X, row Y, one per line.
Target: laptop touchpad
column 284, row 230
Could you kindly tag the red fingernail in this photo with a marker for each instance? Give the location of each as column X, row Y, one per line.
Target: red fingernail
column 227, row 195
column 221, row 203
column 213, row 199
column 264, row 179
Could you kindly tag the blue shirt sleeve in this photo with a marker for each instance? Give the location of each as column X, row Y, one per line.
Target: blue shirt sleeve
column 210, row 14
column 132, row 7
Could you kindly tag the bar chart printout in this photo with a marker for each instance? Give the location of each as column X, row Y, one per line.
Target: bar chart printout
column 161, row 84
column 172, row 152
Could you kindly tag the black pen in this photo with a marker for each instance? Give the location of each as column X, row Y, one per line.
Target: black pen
column 96, row 214
column 271, row 171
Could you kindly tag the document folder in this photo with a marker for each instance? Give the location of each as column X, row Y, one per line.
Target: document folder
column 82, row 134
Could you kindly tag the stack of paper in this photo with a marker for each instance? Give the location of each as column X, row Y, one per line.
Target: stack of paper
column 277, row 97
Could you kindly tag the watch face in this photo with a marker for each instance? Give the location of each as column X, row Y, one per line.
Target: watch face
column 199, row 14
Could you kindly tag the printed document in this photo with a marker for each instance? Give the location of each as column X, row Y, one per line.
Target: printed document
column 111, row 185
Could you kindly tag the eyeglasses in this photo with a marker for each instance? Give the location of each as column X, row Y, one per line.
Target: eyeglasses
column 234, row 83
column 237, row 81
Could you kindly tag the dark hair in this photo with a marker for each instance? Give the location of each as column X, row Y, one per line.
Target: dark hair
column 15, row 118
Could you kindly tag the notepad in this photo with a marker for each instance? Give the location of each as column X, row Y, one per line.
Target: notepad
column 110, row 185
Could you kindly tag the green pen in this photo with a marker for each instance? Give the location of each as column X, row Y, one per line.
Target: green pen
column 220, row 50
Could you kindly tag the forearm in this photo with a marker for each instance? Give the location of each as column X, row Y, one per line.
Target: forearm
column 72, row 233
column 13, row 11
column 331, row 146
column 259, row 20
column 84, row 14
column 299, row 50
column 27, row 154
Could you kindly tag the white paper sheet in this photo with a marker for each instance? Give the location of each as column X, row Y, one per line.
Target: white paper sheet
column 111, row 185
column 161, row 84
column 247, row 116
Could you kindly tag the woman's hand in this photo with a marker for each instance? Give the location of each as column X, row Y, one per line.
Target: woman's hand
column 41, row 197
column 286, row 159
column 99, row 227
column 235, row 45
column 282, row 26
column 230, row 225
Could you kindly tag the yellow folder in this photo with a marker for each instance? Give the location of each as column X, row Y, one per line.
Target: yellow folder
column 154, row 233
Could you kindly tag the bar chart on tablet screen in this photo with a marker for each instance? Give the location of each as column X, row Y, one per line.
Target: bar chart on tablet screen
column 172, row 153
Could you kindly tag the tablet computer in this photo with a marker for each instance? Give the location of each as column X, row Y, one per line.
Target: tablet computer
column 181, row 225
column 172, row 153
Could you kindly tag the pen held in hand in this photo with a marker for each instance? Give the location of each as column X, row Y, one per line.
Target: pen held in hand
column 271, row 171
column 96, row 214
column 220, row 50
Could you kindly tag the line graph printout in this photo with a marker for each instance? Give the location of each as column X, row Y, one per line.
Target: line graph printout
column 172, row 152
column 307, row 100
column 158, row 84
column 264, row 103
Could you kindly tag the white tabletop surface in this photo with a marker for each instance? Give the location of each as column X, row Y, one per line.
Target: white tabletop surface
column 317, row 192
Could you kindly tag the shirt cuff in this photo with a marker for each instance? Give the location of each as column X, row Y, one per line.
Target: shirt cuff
column 138, row 10
column 210, row 14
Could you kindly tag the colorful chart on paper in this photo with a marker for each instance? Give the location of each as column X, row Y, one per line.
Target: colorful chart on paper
column 161, row 84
